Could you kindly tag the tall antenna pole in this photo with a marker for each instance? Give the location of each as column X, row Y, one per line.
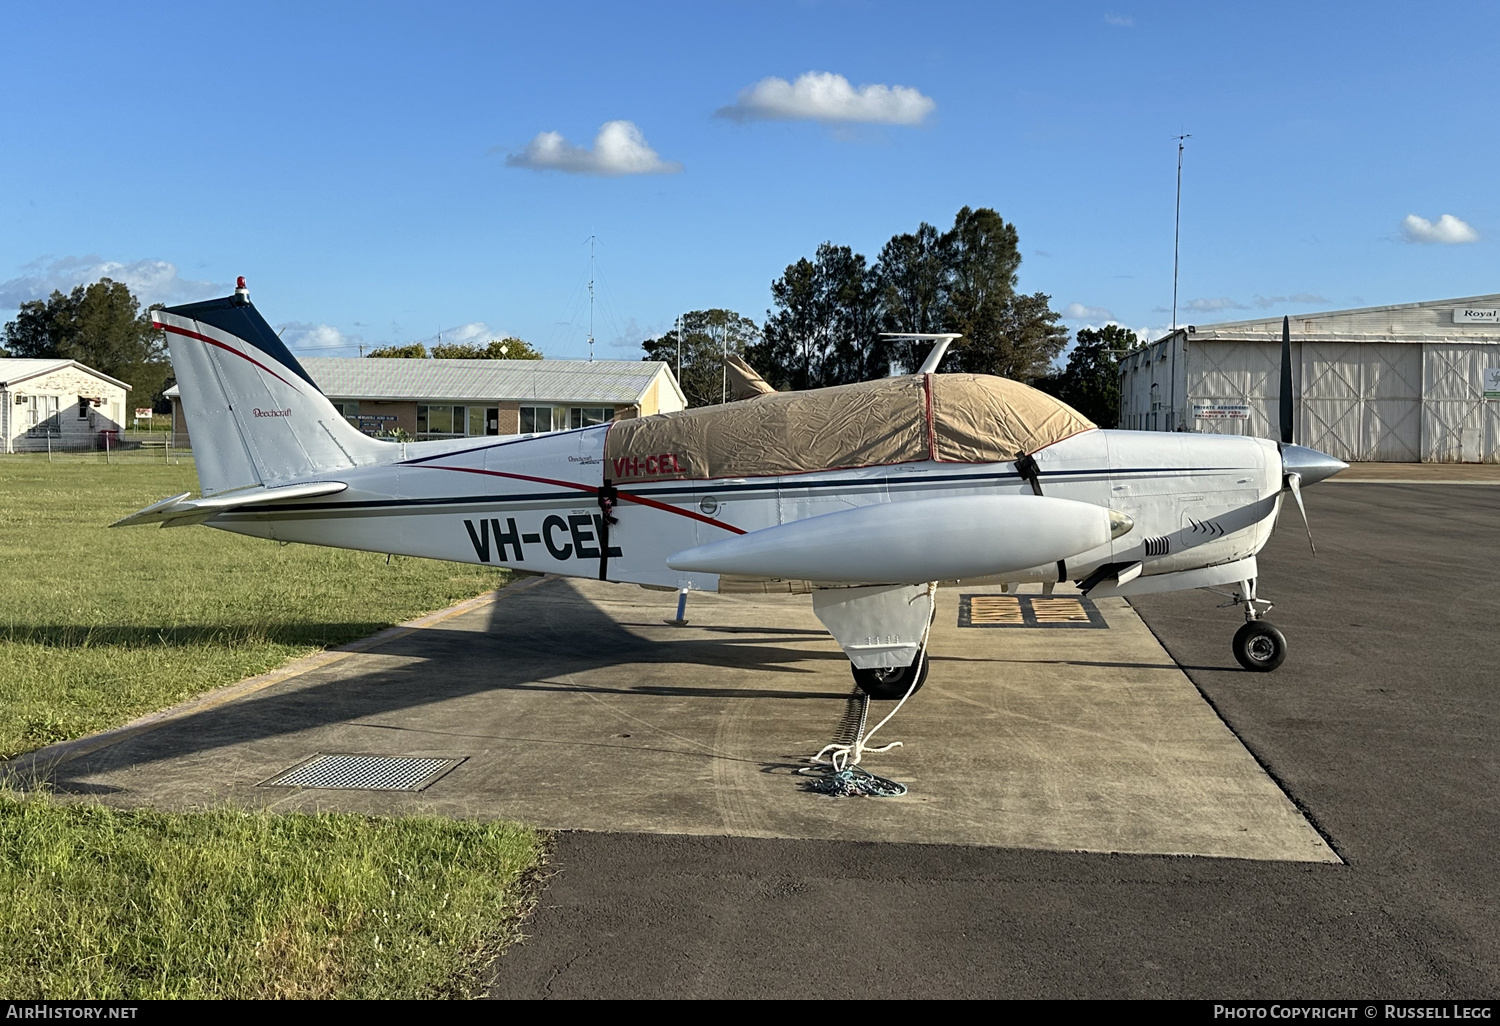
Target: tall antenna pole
column 724, row 398
column 1177, row 229
column 591, row 299
column 679, row 349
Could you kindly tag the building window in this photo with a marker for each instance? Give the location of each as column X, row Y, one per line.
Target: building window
column 42, row 416
column 441, row 421
column 539, row 419
column 349, row 411
column 588, row 416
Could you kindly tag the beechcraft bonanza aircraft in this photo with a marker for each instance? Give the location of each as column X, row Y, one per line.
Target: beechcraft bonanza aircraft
column 873, row 493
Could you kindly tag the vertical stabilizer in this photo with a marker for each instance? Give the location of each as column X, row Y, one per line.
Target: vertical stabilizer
column 254, row 415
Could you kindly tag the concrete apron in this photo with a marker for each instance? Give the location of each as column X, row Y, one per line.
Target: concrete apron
column 574, row 706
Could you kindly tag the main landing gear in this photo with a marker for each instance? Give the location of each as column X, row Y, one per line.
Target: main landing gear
column 1258, row 645
column 889, row 683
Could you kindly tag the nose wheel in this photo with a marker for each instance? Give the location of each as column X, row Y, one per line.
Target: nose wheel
column 893, row 682
column 1258, row 645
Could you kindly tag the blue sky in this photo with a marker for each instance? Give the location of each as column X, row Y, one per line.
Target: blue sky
column 379, row 172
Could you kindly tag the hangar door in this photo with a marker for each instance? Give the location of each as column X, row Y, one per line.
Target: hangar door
column 1362, row 400
column 1459, row 425
column 1237, row 373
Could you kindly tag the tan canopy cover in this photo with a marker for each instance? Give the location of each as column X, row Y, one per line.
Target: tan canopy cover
column 744, row 381
column 960, row 418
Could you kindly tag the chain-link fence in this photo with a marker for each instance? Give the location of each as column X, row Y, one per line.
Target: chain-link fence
column 134, row 447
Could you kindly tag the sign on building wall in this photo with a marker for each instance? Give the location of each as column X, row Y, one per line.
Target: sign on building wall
column 1221, row 411
column 1476, row 315
column 1492, row 382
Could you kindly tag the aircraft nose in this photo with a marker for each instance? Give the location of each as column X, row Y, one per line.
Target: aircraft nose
column 1310, row 465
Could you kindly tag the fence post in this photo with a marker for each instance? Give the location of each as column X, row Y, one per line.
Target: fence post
column 106, row 447
column 49, row 446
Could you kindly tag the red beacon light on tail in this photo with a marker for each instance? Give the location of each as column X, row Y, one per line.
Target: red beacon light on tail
column 241, row 292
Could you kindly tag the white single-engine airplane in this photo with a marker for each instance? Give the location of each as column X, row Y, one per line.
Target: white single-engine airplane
column 872, row 493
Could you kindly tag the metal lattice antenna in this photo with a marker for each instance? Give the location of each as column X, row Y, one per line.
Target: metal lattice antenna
column 591, row 299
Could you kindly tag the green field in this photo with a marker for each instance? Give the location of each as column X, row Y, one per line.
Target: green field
column 99, row 904
column 98, row 626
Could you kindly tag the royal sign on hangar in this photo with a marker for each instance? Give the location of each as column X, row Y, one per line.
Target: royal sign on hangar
column 1476, row 315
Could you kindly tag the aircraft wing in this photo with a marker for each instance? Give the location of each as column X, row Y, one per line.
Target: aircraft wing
column 180, row 510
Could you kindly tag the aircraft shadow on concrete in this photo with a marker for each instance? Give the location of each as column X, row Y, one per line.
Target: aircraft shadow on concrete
column 532, row 643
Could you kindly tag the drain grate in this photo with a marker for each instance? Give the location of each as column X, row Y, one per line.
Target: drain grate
column 364, row 773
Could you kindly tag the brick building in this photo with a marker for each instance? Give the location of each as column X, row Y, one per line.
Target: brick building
column 458, row 398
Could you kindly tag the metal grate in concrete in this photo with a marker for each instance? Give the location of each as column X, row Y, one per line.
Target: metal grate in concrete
column 1028, row 611
column 364, row 773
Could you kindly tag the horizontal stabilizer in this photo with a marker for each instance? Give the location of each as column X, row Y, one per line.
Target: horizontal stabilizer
column 179, row 510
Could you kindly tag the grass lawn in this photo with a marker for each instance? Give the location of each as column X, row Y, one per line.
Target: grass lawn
column 100, row 904
column 98, row 626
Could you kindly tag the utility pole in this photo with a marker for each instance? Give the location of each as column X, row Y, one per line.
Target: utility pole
column 1177, row 228
column 1173, row 422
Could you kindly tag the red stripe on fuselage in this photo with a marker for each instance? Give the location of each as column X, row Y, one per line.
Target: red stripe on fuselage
column 590, row 489
column 228, row 349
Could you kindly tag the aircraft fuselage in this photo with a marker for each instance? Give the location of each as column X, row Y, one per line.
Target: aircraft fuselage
column 533, row 503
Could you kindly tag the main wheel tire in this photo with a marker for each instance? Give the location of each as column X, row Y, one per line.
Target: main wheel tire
column 1259, row 646
column 891, row 683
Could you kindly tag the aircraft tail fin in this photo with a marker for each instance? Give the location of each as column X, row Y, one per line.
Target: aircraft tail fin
column 254, row 415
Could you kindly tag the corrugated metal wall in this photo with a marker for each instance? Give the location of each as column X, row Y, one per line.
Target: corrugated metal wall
column 1400, row 402
column 1458, row 424
column 1362, row 400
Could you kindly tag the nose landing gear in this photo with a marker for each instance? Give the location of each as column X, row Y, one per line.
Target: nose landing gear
column 890, row 683
column 1258, row 645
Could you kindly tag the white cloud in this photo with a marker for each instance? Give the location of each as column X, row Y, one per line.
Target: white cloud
column 1079, row 312
column 1303, row 298
column 473, row 333
column 1119, row 20
column 152, row 281
column 316, row 339
column 1448, row 230
column 633, row 334
column 1214, row 305
column 824, row 96
column 619, row 149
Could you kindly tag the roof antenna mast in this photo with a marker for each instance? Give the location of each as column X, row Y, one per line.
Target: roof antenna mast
column 591, row 299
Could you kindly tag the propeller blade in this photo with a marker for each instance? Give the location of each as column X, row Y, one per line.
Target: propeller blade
column 1294, row 485
column 1286, row 382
